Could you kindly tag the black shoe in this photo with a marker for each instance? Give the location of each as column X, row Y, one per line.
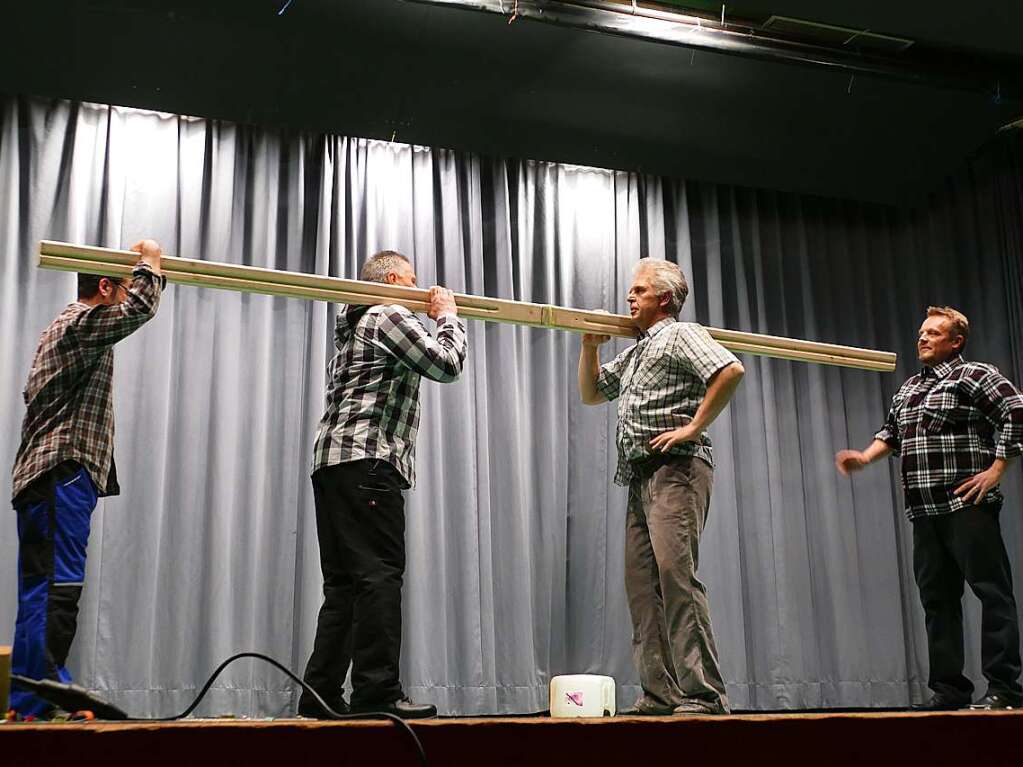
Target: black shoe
column 996, row 702
column 310, row 709
column 403, row 708
column 940, row 703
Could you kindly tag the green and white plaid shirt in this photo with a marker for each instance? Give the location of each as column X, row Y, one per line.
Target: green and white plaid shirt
column 373, row 392
column 661, row 382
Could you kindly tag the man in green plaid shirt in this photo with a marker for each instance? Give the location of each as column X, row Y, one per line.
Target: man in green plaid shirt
column 670, row 386
column 363, row 458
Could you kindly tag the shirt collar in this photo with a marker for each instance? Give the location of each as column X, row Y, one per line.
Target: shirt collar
column 657, row 327
column 944, row 368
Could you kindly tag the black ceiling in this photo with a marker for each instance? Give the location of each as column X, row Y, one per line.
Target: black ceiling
column 470, row 80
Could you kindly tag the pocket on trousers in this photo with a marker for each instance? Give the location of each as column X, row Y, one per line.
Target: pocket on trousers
column 378, row 484
column 380, row 488
column 382, row 477
column 75, row 500
column 376, row 495
column 368, row 488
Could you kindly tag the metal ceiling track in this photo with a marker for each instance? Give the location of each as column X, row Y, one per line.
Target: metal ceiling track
column 656, row 23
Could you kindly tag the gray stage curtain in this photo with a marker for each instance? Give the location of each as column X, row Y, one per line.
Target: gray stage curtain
column 515, row 530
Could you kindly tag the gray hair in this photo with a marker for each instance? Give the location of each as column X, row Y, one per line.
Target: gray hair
column 379, row 265
column 666, row 277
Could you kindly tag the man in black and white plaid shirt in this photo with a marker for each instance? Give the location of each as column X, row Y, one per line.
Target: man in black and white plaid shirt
column 944, row 422
column 66, row 461
column 670, row 386
column 364, row 456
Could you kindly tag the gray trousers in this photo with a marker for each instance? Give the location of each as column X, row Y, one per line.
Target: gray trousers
column 672, row 640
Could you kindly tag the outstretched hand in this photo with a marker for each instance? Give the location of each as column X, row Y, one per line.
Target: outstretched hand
column 848, row 461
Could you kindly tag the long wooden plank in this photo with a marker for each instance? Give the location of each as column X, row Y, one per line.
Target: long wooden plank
column 476, row 307
column 78, row 258
column 620, row 325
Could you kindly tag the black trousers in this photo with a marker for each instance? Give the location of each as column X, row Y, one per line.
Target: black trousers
column 360, row 524
column 948, row 550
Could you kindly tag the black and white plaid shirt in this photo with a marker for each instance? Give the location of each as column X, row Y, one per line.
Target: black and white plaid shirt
column 69, row 395
column 661, row 380
column 943, row 423
column 373, row 391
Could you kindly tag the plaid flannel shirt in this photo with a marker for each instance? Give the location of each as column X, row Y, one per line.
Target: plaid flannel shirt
column 69, row 395
column 661, row 381
column 943, row 423
column 373, row 389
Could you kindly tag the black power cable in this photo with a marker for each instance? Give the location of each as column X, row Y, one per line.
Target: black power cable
column 69, row 697
column 323, row 704
column 72, row 697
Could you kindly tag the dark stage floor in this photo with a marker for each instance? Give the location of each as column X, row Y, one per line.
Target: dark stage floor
column 832, row 739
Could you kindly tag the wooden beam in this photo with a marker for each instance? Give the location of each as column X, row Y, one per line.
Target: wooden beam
column 252, row 279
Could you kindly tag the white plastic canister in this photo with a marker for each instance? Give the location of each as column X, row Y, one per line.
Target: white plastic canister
column 582, row 695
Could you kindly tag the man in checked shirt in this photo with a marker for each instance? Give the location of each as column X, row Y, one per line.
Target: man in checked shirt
column 65, row 462
column 943, row 422
column 364, row 456
column 670, row 385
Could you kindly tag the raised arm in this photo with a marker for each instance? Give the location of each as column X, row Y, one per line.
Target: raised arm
column 589, row 369
column 440, row 359
column 105, row 324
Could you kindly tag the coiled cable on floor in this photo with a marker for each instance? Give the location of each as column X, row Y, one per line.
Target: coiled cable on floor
column 72, row 697
column 401, row 724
